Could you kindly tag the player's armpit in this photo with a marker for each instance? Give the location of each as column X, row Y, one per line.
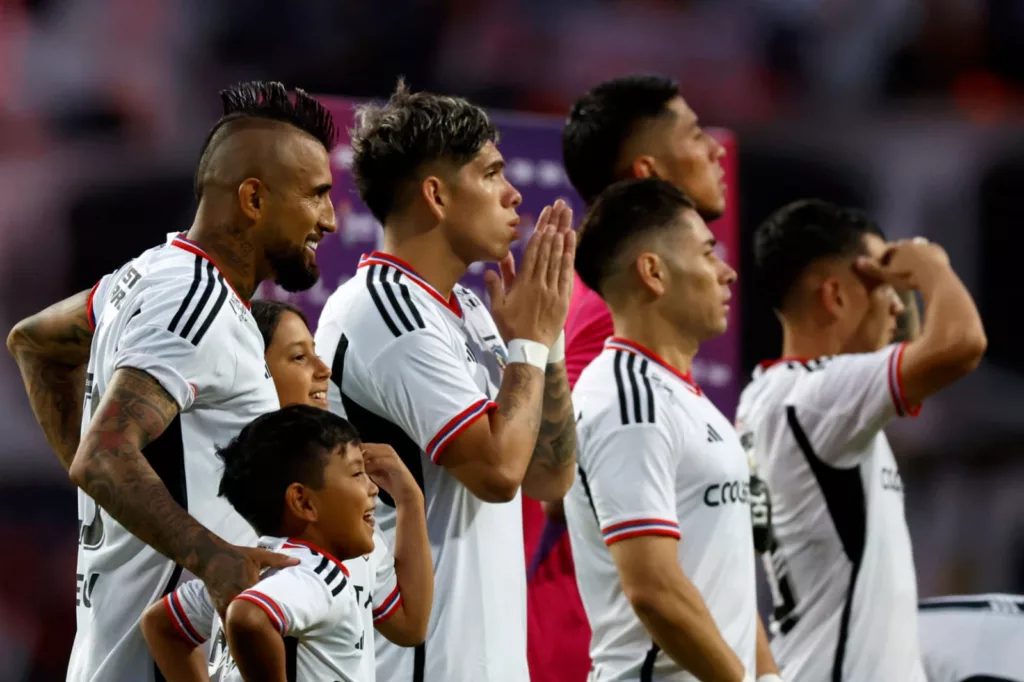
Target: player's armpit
column 552, row 467
column 491, row 455
column 671, row 608
column 52, row 351
column 255, row 643
column 111, row 468
column 178, row 657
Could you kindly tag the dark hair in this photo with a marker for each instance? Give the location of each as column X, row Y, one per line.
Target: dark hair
column 625, row 212
column 269, row 101
column 393, row 141
column 801, row 233
column 600, row 123
column 268, row 315
column 291, row 445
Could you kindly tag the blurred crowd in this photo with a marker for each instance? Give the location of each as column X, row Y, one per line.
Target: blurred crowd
column 910, row 108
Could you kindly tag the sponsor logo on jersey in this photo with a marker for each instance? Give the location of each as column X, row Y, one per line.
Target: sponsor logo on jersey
column 730, row 492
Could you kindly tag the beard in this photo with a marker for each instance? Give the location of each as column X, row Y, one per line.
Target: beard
column 291, row 271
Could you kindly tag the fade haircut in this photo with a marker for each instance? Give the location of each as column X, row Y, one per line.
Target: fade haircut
column 291, row 445
column 625, row 213
column 603, row 120
column 802, row 233
column 270, row 101
column 392, row 142
column 268, row 315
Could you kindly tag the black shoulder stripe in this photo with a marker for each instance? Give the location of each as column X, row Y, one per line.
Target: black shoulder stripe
column 339, row 587
column 408, row 300
column 213, row 313
column 329, row 578
column 371, row 287
column 386, row 286
column 207, row 291
column 323, row 564
column 638, row 394
column 188, row 297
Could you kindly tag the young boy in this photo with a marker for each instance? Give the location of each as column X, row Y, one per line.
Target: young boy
column 298, row 476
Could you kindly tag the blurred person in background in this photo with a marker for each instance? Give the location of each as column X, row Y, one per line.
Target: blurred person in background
column 659, row 514
column 841, row 567
column 972, row 638
column 161, row 358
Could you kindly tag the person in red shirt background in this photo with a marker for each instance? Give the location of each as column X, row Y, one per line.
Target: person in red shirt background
column 634, row 126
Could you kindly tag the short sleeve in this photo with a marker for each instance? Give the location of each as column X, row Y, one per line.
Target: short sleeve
column 161, row 343
column 386, row 595
column 295, row 599
column 849, row 396
column 97, row 295
column 630, row 473
column 428, row 390
column 588, row 326
column 191, row 611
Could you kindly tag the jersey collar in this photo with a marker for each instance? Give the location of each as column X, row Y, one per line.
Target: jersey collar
column 616, row 343
column 182, row 242
column 379, row 258
column 292, row 543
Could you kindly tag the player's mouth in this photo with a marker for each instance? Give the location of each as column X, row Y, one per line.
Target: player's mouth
column 368, row 518
column 313, row 240
column 319, row 397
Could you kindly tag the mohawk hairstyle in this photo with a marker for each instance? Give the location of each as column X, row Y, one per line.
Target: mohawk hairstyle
column 391, row 142
column 269, row 100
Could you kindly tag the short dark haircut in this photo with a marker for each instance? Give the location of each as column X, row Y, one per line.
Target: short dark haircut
column 626, row 212
column 603, row 120
column 268, row 100
column 801, row 233
column 391, row 142
column 268, row 315
column 291, row 445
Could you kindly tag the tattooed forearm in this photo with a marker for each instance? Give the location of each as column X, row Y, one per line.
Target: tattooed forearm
column 908, row 325
column 551, row 469
column 520, row 391
column 111, row 468
column 52, row 350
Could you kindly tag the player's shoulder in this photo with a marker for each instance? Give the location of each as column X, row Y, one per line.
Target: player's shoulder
column 612, row 395
column 775, row 381
column 317, row 569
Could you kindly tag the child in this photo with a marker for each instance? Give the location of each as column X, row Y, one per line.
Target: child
column 301, row 377
column 298, row 476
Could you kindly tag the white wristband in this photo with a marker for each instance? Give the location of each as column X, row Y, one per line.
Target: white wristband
column 769, row 677
column 557, row 352
column 529, row 352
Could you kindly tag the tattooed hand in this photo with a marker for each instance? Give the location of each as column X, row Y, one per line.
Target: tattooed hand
column 230, row 570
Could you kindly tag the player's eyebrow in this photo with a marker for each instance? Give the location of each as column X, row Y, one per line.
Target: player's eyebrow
column 496, row 165
column 322, row 188
column 711, row 242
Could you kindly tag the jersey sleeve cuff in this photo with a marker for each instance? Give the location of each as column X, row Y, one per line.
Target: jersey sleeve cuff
column 89, row 310
column 899, row 398
column 388, row 607
column 625, row 530
column 181, row 622
column 269, row 606
column 462, row 421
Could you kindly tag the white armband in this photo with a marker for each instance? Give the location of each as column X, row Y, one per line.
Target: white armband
column 529, row 352
column 557, row 352
column 770, row 677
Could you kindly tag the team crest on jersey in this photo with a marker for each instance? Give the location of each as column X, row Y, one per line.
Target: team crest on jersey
column 501, row 356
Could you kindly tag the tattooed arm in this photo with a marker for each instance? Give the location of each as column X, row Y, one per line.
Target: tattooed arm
column 112, row 469
column 551, row 468
column 52, row 352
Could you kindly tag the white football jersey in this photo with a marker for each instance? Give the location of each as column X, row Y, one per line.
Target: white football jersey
column 376, row 588
column 413, row 369
column 169, row 313
column 313, row 605
column 656, row 457
column 964, row 637
column 842, row 571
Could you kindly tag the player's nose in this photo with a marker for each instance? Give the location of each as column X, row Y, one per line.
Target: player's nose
column 320, row 368
column 329, row 220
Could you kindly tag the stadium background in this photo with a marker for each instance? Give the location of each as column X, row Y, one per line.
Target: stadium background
column 909, row 108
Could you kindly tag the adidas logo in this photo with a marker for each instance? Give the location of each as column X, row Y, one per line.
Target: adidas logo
column 713, row 436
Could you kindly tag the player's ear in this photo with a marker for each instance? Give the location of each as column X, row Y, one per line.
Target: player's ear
column 250, row 199
column 645, row 166
column 651, row 271
column 832, row 296
column 301, row 503
column 436, row 194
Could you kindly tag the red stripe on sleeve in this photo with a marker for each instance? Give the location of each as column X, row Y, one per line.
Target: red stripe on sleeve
column 88, row 307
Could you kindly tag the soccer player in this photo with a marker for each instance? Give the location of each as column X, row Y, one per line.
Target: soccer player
column 658, row 515
column 297, row 475
column 631, row 126
column 844, row 585
column 973, row 638
column 379, row 578
column 419, row 363
column 134, row 381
